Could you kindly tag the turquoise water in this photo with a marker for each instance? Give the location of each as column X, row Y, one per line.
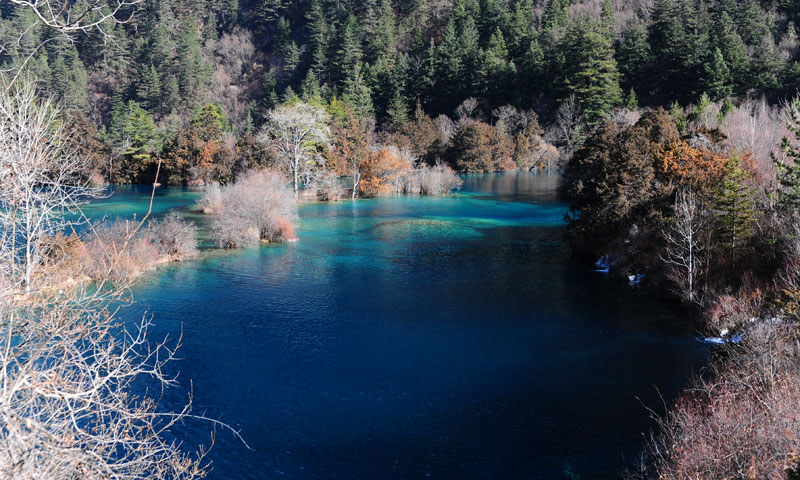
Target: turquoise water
column 414, row 337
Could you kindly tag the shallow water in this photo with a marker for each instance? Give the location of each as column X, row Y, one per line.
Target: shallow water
column 416, row 338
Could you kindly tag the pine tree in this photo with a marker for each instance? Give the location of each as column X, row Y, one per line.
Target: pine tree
column 556, row 15
column 381, row 43
column 634, row 58
column 148, row 89
column 499, row 72
column 266, row 12
column 718, row 80
column 282, row 37
column 398, row 112
column 348, row 53
column 68, row 78
column 318, row 40
column 194, row 71
column 734, row 51
column 493, row 16
column 592, row 74
column 291, row 58
column 767, row 66
column 734, row 219
column 631, row 101
column 356, row 94
column 521, row 29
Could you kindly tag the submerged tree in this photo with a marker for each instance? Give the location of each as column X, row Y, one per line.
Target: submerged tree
column 296, row 132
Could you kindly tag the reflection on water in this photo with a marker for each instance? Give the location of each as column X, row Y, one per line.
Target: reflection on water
column 417, row 338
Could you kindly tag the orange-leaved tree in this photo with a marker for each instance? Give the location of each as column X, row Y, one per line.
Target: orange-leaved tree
column 383, row 171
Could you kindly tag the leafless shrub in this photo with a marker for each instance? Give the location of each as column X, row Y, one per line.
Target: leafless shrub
column 757, row 128
column 328, row 185
column 741, row 419
column 447, row 128
column 258, row 207
column 535, row 152
column 117, row 251
column 788, row 281
column 174, row 237
column 68, row 406
column 466, row 110
column 437, row 180
column 71, row 405
column 39, row 180
column 624, row 118
column 733, row 312
column 211, row 201
column 567, row 132
column 236, row 79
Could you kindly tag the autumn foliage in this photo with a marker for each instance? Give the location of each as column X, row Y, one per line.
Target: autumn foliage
column 680, row 163
column 477, row 147
column 383, row 172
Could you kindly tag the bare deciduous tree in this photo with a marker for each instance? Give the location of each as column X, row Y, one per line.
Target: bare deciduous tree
column 568, row 130
column 71, row 397
column 684, row 238
column 296, row 132
column 39, row 179
column 466, row 110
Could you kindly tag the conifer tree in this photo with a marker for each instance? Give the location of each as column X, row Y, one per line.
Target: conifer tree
column 634, row 58
column 734, row 51
column 717, row 76
column 592, row 74
column 319, row 33
column 148, row 89
column 734, row 220
column 267, row 12
column 348, row 53
column 356, row 94
column 194, row 71
column 398, row 112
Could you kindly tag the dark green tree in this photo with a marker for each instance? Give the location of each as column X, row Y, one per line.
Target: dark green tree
column 356, row 94
column 718, row 81
column 148, row 89
column 734, row 211
column 592, row 74
column 634, row 58
column 194, row 71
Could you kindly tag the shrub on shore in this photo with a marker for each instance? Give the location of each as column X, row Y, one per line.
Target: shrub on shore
column 174, row 237
column 437, row 180
column 258, row 207
column 211, row 199
column 114, row 250
column 118, row 251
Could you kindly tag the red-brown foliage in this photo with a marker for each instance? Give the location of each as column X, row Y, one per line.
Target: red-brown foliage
column 477, row 147
column 383, row 172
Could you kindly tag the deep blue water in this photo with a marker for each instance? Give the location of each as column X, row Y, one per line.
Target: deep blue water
column 404, row 338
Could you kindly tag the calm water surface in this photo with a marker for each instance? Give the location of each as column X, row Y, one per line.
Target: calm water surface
column 407, row 338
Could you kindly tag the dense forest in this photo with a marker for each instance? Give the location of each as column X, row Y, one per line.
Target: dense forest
column 675, row 123
column 191, row 82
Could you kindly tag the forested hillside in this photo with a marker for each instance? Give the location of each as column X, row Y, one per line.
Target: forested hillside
column 184, row 79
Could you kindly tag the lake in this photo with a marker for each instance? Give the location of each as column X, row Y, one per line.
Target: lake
column 415, row 337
